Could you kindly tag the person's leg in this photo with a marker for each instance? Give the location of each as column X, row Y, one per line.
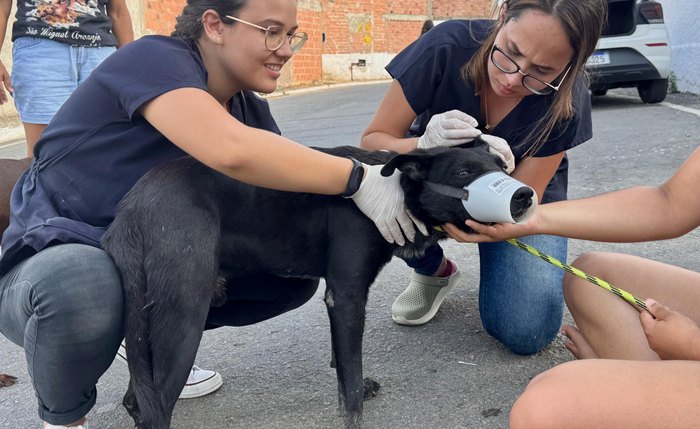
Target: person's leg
column 608, row 323
column 611, row 394
column 430, row 263
column 520, row 296
column 64, row 305
column 252, row 299
column 434, row 277
column 32, row 132
column 43, row 77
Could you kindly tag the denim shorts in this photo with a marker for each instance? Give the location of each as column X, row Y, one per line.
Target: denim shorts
column 45, row 73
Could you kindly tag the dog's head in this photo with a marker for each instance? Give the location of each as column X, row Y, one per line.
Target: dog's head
column 433, row 182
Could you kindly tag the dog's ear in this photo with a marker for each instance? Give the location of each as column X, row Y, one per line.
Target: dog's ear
column 414, row 165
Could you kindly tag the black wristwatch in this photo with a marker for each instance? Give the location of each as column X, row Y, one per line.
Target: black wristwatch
column 355, row 179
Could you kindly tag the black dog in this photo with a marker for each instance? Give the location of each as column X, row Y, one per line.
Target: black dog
column 183, row 227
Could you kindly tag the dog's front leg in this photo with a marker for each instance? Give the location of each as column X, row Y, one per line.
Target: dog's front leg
column 346, row 310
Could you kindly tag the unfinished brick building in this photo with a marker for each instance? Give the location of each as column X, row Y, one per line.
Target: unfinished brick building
column 348, row 39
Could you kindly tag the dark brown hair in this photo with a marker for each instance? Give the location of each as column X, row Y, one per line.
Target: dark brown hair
column 189, row 23
column 583, row 22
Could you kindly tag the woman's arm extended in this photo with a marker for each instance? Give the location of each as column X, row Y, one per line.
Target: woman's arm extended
column 642, row 213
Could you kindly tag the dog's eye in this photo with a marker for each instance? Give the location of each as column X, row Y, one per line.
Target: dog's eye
column 462, row 173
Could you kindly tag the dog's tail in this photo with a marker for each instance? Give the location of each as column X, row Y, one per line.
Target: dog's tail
column 141, row 400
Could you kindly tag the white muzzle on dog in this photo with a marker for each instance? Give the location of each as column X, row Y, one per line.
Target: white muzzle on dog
column 491, row 196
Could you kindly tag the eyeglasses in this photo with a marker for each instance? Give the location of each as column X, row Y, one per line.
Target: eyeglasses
column 275, row 36
column 535, row 85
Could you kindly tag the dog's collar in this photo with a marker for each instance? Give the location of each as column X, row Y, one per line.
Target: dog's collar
column 459, row 193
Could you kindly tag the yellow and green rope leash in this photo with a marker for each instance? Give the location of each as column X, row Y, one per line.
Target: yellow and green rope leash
column 575, row 271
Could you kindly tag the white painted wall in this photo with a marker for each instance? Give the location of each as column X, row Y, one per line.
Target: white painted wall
column 336, row 67
column 682, row 18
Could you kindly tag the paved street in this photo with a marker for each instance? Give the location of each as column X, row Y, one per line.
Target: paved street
column 446, row 374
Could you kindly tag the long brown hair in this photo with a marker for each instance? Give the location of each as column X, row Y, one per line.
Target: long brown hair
column 583, row 22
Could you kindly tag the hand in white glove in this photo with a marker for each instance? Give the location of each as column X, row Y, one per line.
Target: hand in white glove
column 500, row 147
column 449, row 129
column 381, row 199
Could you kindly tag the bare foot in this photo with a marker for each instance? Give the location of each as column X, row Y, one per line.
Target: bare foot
column 7, row 380
column 577, row 344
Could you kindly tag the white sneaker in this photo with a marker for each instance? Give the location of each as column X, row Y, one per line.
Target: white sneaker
column 200, row 382
column 50, row 426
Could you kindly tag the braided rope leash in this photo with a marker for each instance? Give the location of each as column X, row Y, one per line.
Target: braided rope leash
column 575, row 271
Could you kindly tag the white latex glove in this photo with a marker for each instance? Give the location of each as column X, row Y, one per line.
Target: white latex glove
column 381, row 199
column 449, row 129
column 500, row 147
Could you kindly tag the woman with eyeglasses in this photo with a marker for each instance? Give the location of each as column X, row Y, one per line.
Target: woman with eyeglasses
column 519, row 82
column 154, row 100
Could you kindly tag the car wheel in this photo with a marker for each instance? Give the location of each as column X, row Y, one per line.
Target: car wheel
column 653, row 91
column 600, row 92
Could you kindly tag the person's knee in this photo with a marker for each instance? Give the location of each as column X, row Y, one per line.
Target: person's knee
column 546, row 402
column 593, row 263
column 520, row 302
column 536, row 406
column 85, row 293
column 527, row 329
column 529, row 412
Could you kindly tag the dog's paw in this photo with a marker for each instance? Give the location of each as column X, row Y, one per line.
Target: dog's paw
column 7, row 380
column 371, row 388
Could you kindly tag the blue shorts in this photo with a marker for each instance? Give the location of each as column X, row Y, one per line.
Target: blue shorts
column 45, row 73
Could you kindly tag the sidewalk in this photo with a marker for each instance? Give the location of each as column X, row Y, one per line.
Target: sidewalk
column 11, row 134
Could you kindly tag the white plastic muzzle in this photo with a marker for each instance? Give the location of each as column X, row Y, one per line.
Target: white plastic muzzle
column 492, row 195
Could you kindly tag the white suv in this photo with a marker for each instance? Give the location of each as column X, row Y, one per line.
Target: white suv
column 633, row 52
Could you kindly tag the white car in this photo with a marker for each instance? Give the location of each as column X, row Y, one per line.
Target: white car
column 633, row 52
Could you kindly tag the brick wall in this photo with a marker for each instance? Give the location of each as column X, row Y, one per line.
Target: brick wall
column 445, row 9
column 373, row 30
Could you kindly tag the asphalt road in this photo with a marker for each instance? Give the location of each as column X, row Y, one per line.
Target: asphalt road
column 446, row 374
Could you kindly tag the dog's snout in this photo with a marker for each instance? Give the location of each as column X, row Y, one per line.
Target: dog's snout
column 521, row 201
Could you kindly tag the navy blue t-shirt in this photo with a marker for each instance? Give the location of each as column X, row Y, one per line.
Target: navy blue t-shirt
column 429, row 71
column 98, row 145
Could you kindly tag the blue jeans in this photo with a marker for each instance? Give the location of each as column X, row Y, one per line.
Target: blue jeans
column 520, row 296
column 65, row 306
column 46, row 72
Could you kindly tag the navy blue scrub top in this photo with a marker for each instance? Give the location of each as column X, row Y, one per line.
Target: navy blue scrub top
column 98, row 145
column 429, row 73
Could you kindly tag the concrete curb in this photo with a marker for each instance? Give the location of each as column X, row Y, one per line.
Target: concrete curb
column 321, row 87
column 11, row 135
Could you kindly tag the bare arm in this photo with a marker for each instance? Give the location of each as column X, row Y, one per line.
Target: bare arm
column 5, row 10
column 642, row 213
column 193, row 120
column 121, row 22
column 390, row 123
